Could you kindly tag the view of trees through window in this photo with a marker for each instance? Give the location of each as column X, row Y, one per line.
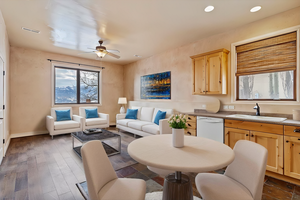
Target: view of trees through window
column 67, row 82
column 277, row 85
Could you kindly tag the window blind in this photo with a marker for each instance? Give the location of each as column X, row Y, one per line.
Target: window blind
column 273, row 54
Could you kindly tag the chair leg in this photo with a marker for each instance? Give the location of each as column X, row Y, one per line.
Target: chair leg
column 52, row 137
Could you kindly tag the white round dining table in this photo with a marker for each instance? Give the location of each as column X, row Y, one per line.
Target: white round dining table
column 197, row 155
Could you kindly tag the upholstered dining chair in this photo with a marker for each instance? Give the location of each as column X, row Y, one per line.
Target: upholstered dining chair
column 243, row 178
column 102, row 181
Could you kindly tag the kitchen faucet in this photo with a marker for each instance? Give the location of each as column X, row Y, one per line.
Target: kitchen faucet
column 257, row 109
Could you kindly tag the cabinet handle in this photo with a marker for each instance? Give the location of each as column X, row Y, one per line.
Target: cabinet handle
column 203, row 91
column 298, row 138
column 287, row 141
column 188, row 133
column 252, row 135
column 189, row 118
column 246, row 134
column 297, row 131
column 189, row 125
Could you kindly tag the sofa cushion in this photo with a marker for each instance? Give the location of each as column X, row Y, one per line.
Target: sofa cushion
column 95, row 121
column 139, row 111
column 124, row 122
column 66, row 125
column 63, row 115
column 131, row 114
column 160, row 115
column 168, row 114
column 138, row 124
column 91, row 113
column 147, row 114
column 153, row 129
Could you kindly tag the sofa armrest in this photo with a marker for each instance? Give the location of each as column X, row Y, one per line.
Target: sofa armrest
column 50, row 124
column 120, row 116
column 164, row 127
column 79, row 119
column 103, row 115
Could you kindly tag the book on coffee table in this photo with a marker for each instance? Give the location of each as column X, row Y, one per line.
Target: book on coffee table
column 92, row 131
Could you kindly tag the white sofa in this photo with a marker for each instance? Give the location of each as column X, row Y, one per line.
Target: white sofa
column 144, row 124
column 61, row 127
column 101, row 122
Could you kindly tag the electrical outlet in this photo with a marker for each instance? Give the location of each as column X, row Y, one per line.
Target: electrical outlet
column 231, row 107
column 225, row 107
column 203, row 106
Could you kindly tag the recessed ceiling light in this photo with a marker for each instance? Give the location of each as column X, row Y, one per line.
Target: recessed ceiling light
column 137, row 56
column 255, row 9
column 209, row 8
column 31, row 30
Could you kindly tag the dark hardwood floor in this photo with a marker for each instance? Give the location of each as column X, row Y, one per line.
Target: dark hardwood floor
column 39, row 168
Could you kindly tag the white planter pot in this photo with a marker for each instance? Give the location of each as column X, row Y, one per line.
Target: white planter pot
column 178, row 137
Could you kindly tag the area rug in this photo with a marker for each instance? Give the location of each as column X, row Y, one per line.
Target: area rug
column 149, row 196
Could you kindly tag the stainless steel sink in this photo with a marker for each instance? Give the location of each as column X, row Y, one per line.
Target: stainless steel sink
column 258, row 118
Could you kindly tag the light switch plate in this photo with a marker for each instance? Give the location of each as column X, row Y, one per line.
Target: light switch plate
column 225, row 107
column 231, row 107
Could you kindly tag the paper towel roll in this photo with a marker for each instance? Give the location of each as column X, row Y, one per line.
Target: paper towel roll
column 296, row 115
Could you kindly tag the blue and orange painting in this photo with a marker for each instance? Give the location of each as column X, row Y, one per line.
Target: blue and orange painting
column 156, row 86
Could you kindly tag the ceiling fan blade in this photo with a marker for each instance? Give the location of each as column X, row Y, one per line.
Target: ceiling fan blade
column 91, row 48
column 87, row 52
column 113, row 50
column 113, row 55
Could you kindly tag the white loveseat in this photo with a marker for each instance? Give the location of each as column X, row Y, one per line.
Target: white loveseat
column 101, row 122
column 61, row 127
column 144, row 124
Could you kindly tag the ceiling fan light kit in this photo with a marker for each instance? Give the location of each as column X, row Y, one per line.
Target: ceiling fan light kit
column 101, row 51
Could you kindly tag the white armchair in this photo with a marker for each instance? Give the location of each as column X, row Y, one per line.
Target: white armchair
column 61, row 127
column 101, row 122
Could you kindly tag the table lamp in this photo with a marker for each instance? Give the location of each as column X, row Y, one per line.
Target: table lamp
column 122, row 101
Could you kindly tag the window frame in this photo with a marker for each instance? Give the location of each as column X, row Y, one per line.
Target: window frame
column 234, row 79
column 78, row 69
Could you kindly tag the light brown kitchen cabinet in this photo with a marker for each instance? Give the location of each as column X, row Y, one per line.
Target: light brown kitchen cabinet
column 210, row 72
column 233, row 135
column 191, row 126
column 274, row 144
column 292, row 156
column 268, row 135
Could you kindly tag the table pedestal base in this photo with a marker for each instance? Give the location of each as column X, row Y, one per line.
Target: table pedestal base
column 177, row 187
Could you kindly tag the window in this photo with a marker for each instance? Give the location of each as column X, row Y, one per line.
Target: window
column 266, row 69
column 76, row 86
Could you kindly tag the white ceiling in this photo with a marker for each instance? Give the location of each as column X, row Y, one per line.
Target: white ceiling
column 143, row 27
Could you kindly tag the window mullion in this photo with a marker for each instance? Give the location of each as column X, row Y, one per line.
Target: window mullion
column 78, row 86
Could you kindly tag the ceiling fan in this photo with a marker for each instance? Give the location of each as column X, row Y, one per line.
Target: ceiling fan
column 101, row 51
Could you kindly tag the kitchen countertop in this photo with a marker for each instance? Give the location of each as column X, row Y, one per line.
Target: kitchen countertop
column 224, row 114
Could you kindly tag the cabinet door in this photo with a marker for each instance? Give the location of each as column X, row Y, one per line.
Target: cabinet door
column 274, row 144
column 292, row 156
column 233, row 135
column 199, row 75
column 214, row 74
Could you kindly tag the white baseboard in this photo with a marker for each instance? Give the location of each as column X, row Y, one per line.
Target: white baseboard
column 17, row 135
column 6, row 144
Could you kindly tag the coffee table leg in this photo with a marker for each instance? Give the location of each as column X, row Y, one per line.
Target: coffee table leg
column 119, row 144
column 177, row 186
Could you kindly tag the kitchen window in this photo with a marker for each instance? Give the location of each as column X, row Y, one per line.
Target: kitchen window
column 76, row 86
column 266, row 69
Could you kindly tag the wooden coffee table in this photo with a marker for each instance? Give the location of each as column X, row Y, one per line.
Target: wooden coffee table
column 104, row 136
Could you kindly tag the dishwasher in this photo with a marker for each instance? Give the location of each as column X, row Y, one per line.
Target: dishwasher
column 211, row 128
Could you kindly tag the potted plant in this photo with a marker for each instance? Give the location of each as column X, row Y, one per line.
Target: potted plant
column 178, row 124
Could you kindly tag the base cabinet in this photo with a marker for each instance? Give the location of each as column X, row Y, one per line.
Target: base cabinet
column 233, row 135
column 292, row 156
column 274, row 144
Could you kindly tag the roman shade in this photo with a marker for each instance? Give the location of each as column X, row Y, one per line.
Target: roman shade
column 273, row 54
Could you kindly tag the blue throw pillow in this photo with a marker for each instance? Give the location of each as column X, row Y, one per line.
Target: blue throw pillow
column 91, row 113
column 62, row 115
column 160, row 115
column 131, row 114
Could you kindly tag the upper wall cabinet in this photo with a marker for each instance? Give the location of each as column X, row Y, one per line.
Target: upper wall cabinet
column 210, row 72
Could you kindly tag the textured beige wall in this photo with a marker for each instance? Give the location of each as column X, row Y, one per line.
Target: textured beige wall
column 179, row 63
column 31, row 88
column 4, row 54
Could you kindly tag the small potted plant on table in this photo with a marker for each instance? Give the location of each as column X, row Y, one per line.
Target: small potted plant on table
column 178, row 124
